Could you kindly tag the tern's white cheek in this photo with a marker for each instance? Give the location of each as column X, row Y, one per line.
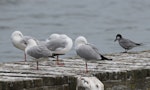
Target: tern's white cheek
column 118, row 38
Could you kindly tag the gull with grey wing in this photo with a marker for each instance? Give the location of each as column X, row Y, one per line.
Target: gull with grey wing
column 59, row 44
column 37, row 51
column 87, row 51
column 20, row 41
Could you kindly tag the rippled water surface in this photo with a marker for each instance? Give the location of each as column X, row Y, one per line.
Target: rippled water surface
column 98, row 20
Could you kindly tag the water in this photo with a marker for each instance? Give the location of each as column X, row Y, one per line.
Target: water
column 98, row 20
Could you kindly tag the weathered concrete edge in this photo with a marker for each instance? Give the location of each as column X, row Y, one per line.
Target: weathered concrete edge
column 124, row 75
column 35, row 83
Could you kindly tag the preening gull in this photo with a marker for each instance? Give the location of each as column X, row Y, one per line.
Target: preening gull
column 87, row 51
column 59, row 44
column 37, row 51
column 52, row 36
column 126, row 43
column 20, row 41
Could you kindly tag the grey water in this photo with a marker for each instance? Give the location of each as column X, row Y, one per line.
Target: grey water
column 98, row 20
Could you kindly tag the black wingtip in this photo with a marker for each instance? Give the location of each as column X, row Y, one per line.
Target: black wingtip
column 52, row 56
column 104, row 58
column 139, row 44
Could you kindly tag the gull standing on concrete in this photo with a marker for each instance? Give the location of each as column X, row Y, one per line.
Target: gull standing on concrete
column 59, row 44
column 37, row 51
column 87, row 51
column 126, row 43
column 20, row 41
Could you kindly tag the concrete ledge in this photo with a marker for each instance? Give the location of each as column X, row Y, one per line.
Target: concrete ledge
column 127, row 70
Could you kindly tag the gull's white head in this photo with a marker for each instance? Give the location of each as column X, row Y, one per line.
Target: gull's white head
column 31, row 42
column 80, row 40
column 17, row 34
column 16, row 38
column 63, row 36
column 52, row 36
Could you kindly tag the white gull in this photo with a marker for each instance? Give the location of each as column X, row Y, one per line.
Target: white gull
column 87, row 51
column 37, row 51
column 20, row 41
column 59, row 44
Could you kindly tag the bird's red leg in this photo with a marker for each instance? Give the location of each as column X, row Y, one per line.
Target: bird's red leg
column 37, row 66
column 57, row 60
column 58, row 63
column 25, row 57
column 86, row 67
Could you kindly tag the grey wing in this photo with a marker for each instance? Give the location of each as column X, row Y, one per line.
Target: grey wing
column 56, row 43
column 26, row 38
column 94, row 48
column 127, row 44
column 39, row 51
column 87, row 52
